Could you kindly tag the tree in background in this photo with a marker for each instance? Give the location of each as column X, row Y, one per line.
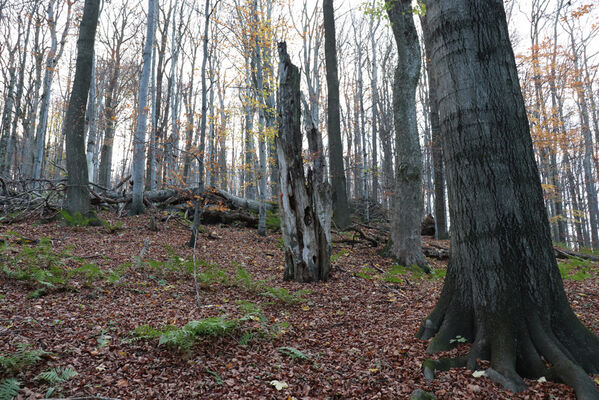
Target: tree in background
column 137, row 205
column 340, row 203
column 406, row 243
column 74, row 123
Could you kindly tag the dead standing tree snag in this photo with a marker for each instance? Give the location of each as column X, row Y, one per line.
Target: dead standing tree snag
column 305, row 205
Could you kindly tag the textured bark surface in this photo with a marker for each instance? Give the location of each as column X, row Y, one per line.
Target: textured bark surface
column 407, row 207
column 503, row 289
column 436, row 150
column 74, row 124
column 303, row 219
column 340, row 203
column 139, row 141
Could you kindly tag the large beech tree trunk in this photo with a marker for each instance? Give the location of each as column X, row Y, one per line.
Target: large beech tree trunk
column 407, row 215
column 503, row 289
column 304, row 203
column 74, row 124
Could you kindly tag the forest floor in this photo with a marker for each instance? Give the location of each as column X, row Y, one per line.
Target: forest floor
column 349, row 338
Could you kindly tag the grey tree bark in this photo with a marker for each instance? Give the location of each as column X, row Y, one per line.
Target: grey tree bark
column 11, row 146
column 74, row 124
column 30, row 124
column 503, row 289
column 589, row 177
column 173, row 142
column 337, row 170
column 139, row 141
column 92, row 122
column 437, row 151
column 375, row 112
column 54, row 54
column 198, row 205
column 303, row 202
column 407, row 208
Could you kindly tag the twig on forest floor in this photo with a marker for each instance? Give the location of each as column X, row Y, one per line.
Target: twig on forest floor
column 85, row 398
column 195, row 270
column 142, row 253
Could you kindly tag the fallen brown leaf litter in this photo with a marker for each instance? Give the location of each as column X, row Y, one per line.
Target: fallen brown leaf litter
column 355, row 333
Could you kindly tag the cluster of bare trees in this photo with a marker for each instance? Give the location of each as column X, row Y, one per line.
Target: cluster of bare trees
column 200, row 106
column 455, row 92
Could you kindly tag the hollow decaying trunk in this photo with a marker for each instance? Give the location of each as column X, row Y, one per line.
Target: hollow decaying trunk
column 303, row 202
column 503, row 289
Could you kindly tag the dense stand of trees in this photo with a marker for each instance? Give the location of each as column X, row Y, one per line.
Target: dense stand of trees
column 191, row 101
column 235, row 150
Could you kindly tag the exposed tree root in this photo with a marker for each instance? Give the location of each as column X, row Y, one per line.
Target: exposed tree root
column 520, row 346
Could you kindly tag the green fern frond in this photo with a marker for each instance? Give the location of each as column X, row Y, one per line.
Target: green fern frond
column 57, row 375
column 9, row 388
column 146, row 332
column 293, row 353
column 216, row 326
column 22, row 358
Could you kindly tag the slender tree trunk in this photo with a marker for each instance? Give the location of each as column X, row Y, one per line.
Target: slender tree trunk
column 339, row 190
column 92, row 122
column 74, row 124
column 7, row 116
column 198, row 205
column 375, row 111
column 589, row 177
column 29, row 146
column 53, row 57
column 137, row 205
column 407, row 216
column 503, row 290
column 436, row 148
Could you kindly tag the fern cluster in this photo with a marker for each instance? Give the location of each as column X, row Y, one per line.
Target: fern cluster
column 57, row 375
column 285, row 295
column 294, row 353
column 54, row 377
column 261, row 323
column 11, row 364
column 9, row 388
column 47, row 268
column 184, row 338
column 21, row 359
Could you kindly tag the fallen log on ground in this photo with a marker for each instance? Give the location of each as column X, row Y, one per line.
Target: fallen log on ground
column 561, row 253
column 171, row 197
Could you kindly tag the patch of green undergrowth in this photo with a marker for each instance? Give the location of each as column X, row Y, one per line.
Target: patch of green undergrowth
column 54, row 377
column 49, row 269
column 15, row 362
column 245, row 280
column 398, row 274
column 576, row 269
column 294, row 353
column 273, row 221
column 9, row 389
column 255, row 323
column 284, row 295
column 22, row 358
column 184, row 338
column 341, row 253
